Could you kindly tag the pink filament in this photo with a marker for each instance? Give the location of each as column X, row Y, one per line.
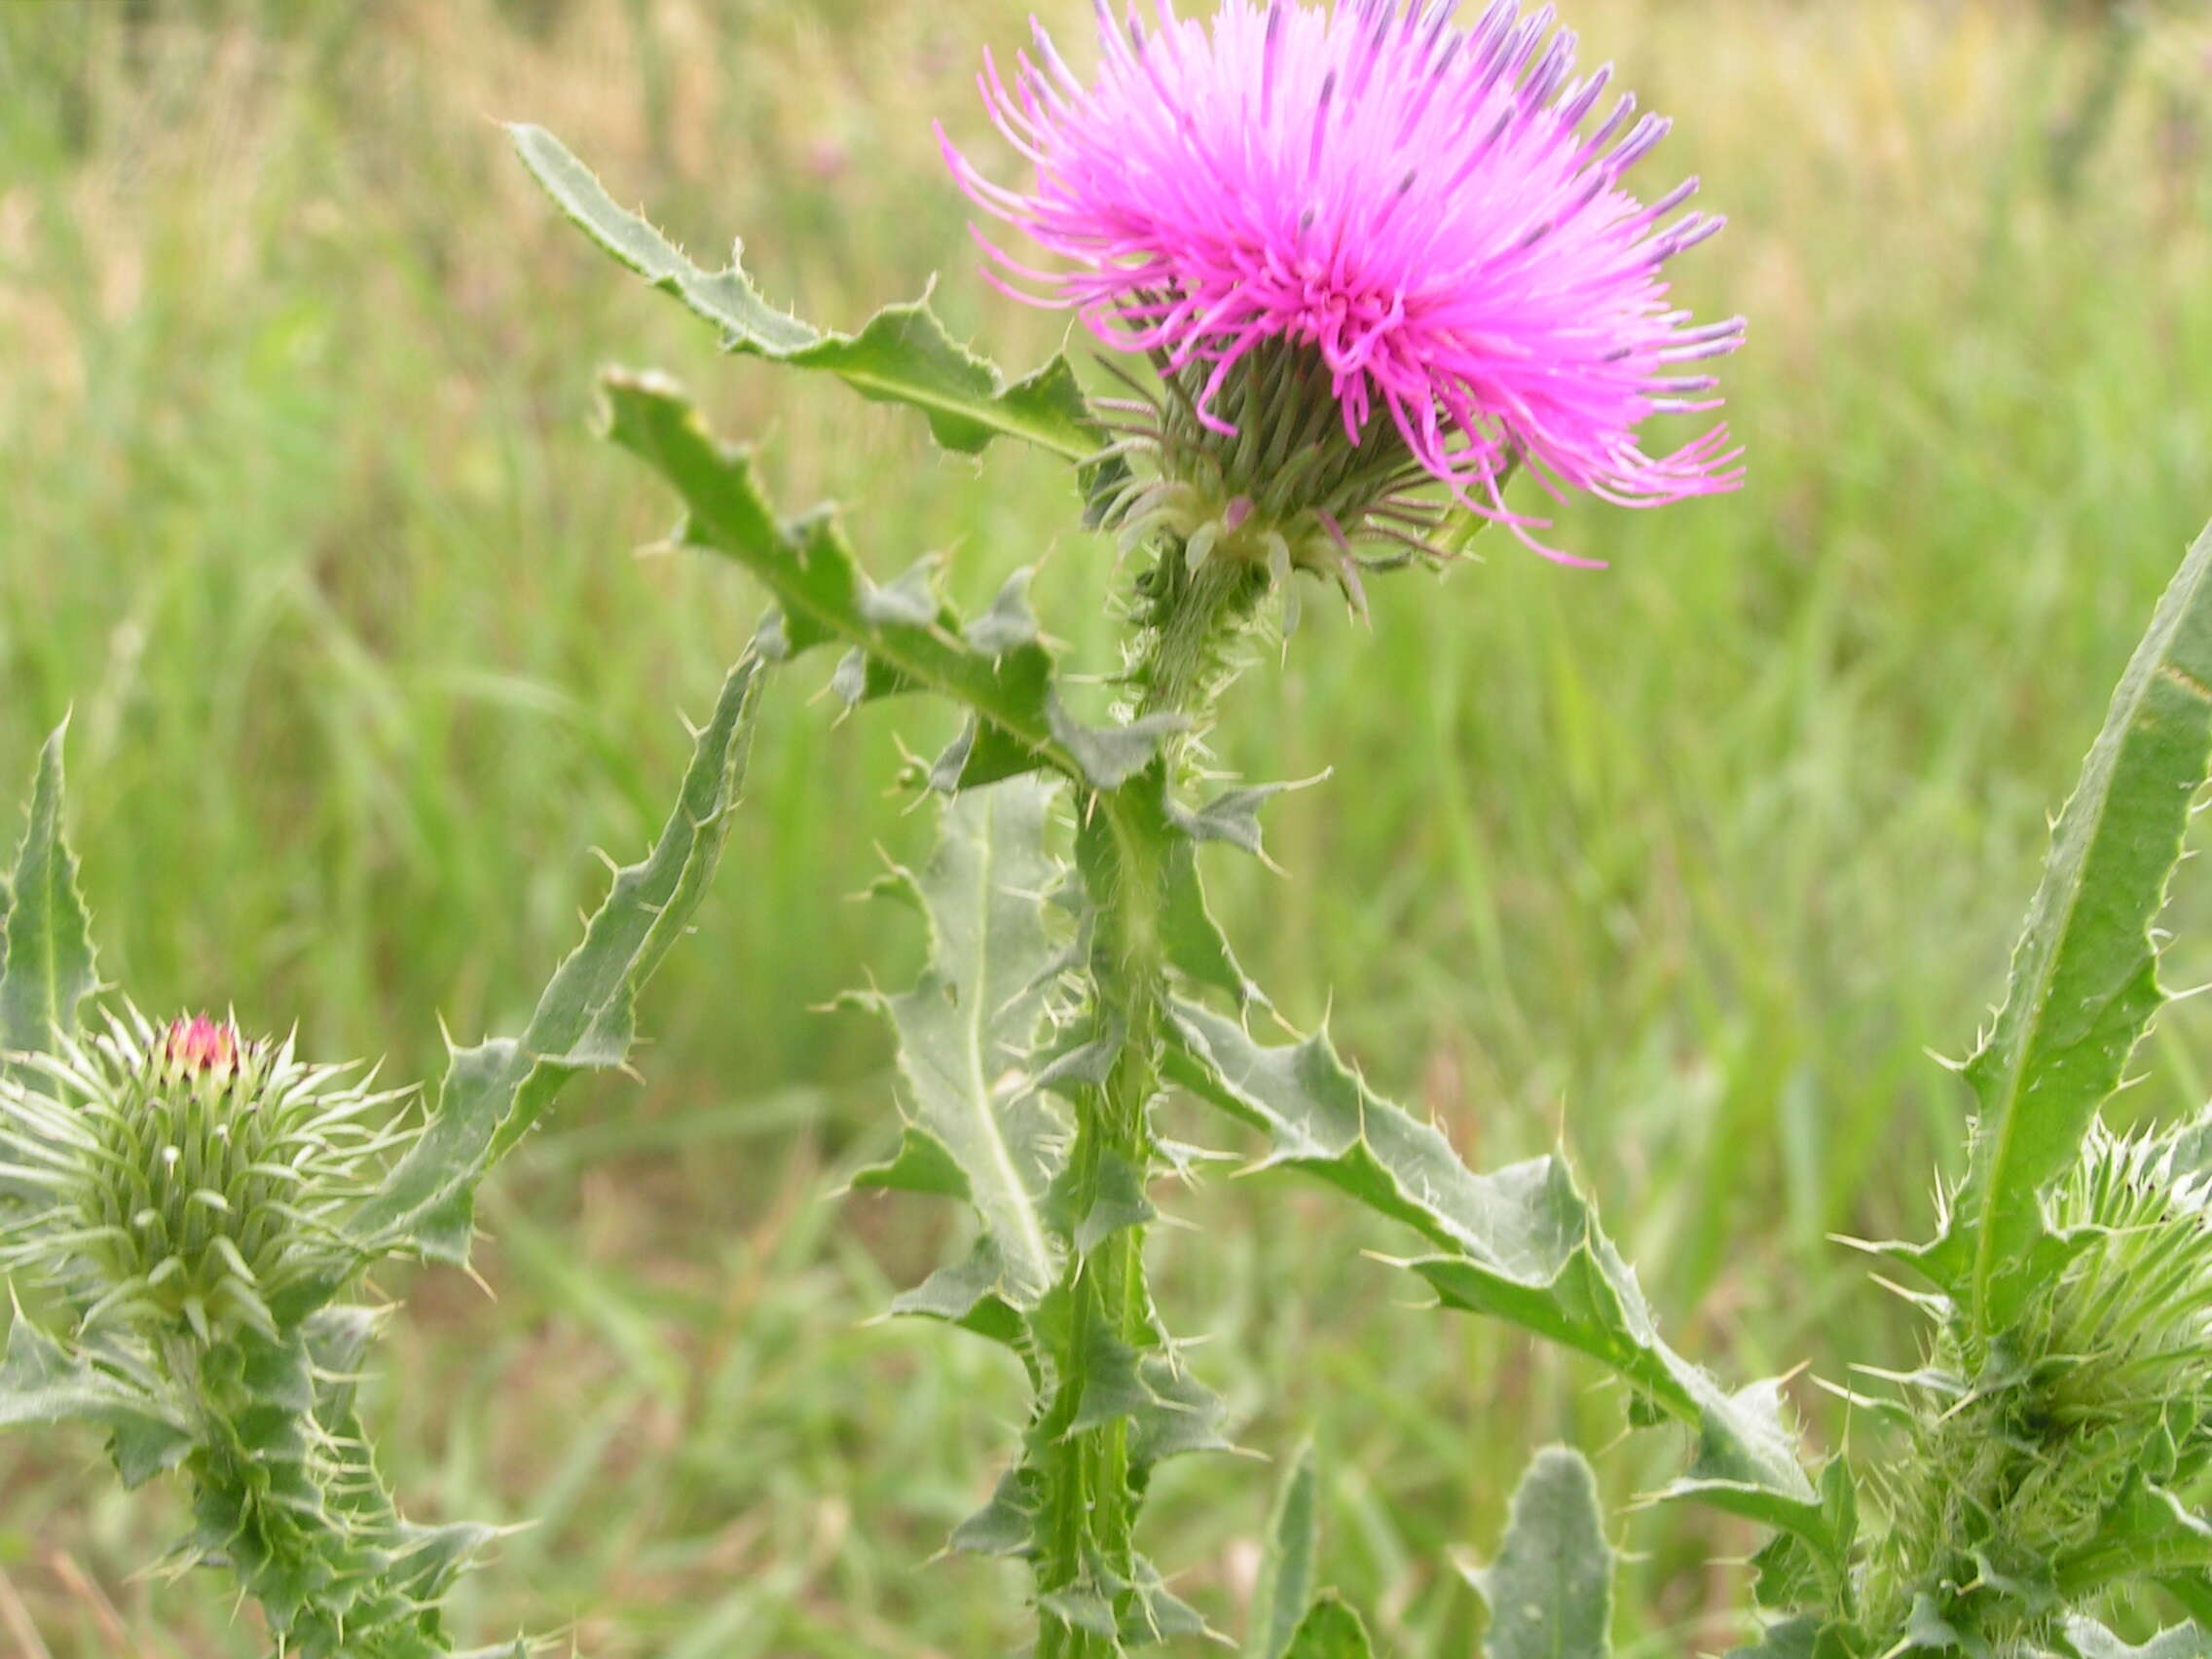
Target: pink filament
column 1416, row 203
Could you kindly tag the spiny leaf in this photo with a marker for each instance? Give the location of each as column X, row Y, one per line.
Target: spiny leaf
column 1143, row 832
column 2084, row 983
column 1330, row 1630
column 1234, row 816
column 47, row 966
column 1550, row 1592
column 2092, row 1640
column 1171, row 1413
column 1286, row 1570
column 1790, row 1572
column 585, row 1018
column 1523, row 1245
column 967, row 1029
column 2146, row 1532
column 1150, row 1616
column 967, row 1294
column 902, row 355
column 44, row 1383
column 997, row 670
column 1790, row 1639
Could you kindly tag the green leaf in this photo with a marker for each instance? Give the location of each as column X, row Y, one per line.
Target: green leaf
column 1286, row 1570
column 1791, row 1574
column 968, row 1028
column 585, row 1018
column 1330, row 1630
column 1143, row 832
column 2192, row 1592
column 44, row 1383
column 1232, row 816
column 2092, row 1641
column 1790, row 1638
column 902, row 355
column 2146, row 1532
column 1523, row 1244
column 2084, row 983
column 996, row 667
column 47, row 966
column 1550, row 1592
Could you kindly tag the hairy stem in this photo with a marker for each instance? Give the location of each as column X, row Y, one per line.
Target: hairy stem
column 1193, row 617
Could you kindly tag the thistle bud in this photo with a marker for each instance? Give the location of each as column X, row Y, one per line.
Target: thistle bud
column 183, row 1177
column 2059, row 1457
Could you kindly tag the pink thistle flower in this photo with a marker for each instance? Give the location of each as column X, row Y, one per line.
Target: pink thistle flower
column 1421, row 207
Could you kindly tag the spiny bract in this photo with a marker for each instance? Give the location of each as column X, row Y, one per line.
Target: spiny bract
column 2058, row 1459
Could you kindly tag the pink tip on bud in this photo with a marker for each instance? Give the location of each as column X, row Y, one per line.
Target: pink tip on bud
column 200, row 1046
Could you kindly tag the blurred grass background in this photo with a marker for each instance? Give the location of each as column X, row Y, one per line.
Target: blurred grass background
column 1688, row 861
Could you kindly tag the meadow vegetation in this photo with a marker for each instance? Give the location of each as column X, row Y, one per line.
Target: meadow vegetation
column 1687, row 863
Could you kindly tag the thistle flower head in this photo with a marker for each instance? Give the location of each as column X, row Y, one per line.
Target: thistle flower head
column 1425, row 218
column 182, row 1175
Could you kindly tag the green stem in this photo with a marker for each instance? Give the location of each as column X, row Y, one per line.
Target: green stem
column 1092, row 1489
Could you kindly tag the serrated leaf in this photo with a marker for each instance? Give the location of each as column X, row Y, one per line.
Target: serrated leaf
column 1171, row 1413
column 1137, row 842
column 921, row 1165
column 1006, row 1525
column 1156, row 1614
column 967, row 1029
column 2092, row 1640
column 2146, row 1532
column 902, row 354
column 1550, row 1592
column 1285, row 1588
column 967, row 1294
column 47, row 969
column 2192, row 1592
column 2084, row 981
column 1790, row 1638
column 43, row 1383
column 1330, row 1630
column 585, row 1020
column 1523, row 1244
column 1790, row 1572
column 1234, row 817
column 824, row 597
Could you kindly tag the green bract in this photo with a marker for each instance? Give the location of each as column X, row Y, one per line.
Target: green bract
column 185, row 1192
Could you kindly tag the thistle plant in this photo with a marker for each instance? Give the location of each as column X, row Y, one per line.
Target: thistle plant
column 190, row 1212
column 1354, row 269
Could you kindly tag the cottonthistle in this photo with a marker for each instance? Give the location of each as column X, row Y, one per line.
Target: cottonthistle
column 184, row 1176
column 1378, row 262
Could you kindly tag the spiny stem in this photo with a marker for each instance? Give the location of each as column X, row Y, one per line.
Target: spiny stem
column 1089, row 1503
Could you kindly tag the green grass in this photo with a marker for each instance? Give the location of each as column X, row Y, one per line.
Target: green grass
column 1688, row 861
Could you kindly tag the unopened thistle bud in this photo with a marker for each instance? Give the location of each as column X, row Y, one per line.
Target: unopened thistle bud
column 183, row 1177
column 2039, row 1450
